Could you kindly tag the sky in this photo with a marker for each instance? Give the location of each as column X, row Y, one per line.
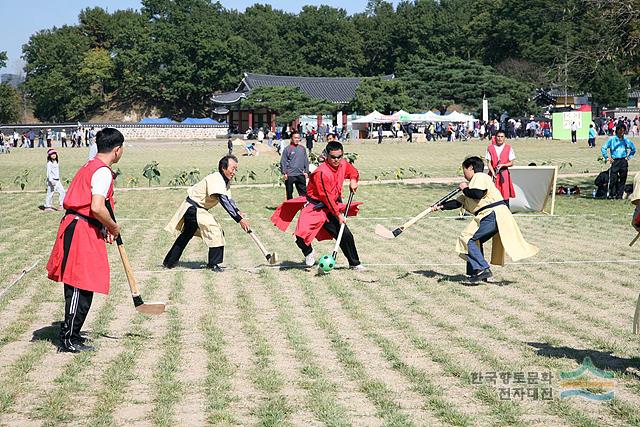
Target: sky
column 22, row 18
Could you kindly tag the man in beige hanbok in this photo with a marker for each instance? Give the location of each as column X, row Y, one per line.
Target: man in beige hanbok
column 492, row 220
column 193, row 217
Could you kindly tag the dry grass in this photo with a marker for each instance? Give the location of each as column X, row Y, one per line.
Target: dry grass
column 399, row 344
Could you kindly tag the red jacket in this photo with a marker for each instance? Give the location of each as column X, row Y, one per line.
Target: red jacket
column 87, row 264
column 325, row 185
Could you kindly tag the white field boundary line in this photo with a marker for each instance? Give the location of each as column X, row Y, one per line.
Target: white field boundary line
column 407, row 181
column 383, row 218
column 419, row 264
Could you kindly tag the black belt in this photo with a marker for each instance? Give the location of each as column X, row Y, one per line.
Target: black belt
column 90, row 220
column 317, row 204
column 489, row 206
column 193, row 203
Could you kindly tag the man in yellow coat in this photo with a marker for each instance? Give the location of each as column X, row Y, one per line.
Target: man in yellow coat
column 193, row 217
column 492, row 220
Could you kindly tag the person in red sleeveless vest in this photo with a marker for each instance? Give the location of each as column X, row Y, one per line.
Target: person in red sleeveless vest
column 79, row 255
column 500, row 158
column 321, row 210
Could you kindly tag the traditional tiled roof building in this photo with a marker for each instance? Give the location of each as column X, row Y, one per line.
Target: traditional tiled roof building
column 338, row 90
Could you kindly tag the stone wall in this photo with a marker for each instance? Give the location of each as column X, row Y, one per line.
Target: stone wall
column 134, row 131
column 171, row 132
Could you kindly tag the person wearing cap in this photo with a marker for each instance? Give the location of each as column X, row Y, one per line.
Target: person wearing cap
column 193, row 218
column 53, row 181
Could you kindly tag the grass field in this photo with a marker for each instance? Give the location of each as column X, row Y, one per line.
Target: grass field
column 400, row 344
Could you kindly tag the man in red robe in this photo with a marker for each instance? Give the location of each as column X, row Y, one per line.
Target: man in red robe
column 500, row 158
column 79, row 255
column 322, row 210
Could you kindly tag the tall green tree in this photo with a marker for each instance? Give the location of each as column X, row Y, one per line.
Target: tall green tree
column 328, row 42
column 609, row 88
column 440, row 82
column 52, row 79
column 376, row 28
column 9, row 104
column 386, row 96
column 9, row 98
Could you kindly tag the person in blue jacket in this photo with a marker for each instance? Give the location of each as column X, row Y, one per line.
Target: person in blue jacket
column 622, row 150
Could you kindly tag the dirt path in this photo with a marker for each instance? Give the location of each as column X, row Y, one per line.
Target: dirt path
column 193, row 370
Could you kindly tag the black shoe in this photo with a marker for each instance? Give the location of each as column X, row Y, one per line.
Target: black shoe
column 75, row 348
column 165, row 265
column 472, row 280
column 485, row 274
column 216, row 268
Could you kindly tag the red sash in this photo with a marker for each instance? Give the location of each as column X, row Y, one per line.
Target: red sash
column 502, row 179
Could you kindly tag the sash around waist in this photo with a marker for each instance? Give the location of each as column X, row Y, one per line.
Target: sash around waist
column 489, row 206
column 86, row 218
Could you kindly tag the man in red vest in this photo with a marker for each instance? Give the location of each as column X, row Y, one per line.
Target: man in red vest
column 79, row 255
column 500, row 157
column 322, row 210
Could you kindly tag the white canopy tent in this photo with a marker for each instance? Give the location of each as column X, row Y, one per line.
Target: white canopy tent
column 362, row 122
column 369, row 118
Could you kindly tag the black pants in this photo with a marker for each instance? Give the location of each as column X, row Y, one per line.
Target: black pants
column 301, row 185
column 216, row 254
column 347, row 244
column 574, row 136
column 619, row 169
column 379, row 139
column 77, row 302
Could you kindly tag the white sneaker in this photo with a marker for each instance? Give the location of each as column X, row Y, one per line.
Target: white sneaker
column 310, row 259
column 358, row 267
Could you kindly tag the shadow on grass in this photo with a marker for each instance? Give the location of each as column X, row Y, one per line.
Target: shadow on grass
column 51, row 333
column 460, row 278
column 601, row 359
column 191, row 265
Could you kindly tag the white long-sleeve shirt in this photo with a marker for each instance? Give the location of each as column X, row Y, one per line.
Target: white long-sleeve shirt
column 53, row 171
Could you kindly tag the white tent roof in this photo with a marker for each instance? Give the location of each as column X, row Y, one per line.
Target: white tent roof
column 369, row 118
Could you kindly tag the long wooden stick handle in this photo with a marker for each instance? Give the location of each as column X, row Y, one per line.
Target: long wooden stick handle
column 128, row 271
column 259, row 243
column 429, row 209
column 636, row 318
column 635, row 239
column 339, row 238
column 416, row 218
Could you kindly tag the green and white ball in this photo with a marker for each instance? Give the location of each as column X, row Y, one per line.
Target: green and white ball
column 326, row 263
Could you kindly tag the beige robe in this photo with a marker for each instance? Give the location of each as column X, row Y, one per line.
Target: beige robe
column 636, row 189
column 204, row 193
column 508, row 239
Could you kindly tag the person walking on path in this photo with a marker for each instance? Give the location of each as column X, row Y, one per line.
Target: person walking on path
column 574, row 132
column 592, row 136
column 294, row 165
column 53, row 181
